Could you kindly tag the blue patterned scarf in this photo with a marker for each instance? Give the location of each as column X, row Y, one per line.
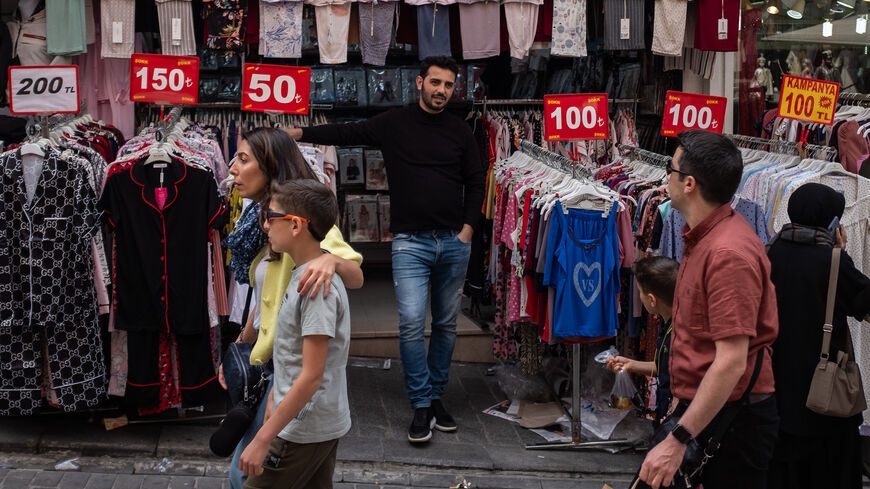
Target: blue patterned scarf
column 246, row 240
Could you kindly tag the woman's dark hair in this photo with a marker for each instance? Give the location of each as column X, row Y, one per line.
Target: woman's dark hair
column 714, row 162
column 280, row 161
column 657, row 275
column 279, row 157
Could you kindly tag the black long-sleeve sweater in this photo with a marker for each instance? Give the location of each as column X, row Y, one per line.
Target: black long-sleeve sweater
column 434, row 168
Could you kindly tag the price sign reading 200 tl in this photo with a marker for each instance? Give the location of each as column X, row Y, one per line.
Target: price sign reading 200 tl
column 37, row 89
column 276, row 88
column 163, row 79
column 576, row 116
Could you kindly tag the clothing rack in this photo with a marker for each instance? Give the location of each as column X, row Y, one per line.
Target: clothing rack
column 853, row 98
column 222, row 114
column 567, row 165
column 785, row 147
column 554, row 160
column 654, row 159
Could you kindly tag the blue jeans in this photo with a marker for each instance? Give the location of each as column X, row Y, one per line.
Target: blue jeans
column 237, row 477
column 420, row 260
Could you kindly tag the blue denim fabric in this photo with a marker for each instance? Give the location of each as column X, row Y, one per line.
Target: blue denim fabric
column 237, row 477
column 420, row 260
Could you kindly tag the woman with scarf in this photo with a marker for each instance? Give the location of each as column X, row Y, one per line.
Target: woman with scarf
column 266, row 155
column 813, row 450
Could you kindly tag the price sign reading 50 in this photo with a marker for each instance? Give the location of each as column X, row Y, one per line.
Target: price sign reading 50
column 806, row 99
column 685, row 111
column 38, row 89
column 576, row 116
column 275, row 88
column 163, row 79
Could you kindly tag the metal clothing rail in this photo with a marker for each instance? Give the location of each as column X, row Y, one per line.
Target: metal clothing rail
column 813, row 150
column 853, row 98
column 554, row 160
column 654, row 158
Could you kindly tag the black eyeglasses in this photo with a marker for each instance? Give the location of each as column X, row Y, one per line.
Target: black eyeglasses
column 669, row 168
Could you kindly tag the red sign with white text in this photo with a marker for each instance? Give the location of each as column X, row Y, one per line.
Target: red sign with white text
column 275, row 88
column 163, row 79
column 576, row 116
column 684, row 111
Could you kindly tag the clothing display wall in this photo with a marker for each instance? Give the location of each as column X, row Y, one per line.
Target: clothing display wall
column 161, row 202
column 53, row 270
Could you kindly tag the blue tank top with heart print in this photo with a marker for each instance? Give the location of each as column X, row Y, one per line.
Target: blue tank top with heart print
column 583, row 267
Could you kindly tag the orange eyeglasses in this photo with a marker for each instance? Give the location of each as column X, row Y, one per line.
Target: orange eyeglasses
column 272, row 216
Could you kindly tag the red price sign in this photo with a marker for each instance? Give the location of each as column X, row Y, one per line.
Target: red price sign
column 806, row 99
column 684, row 111
column 576, row 116
column 275, row 88
column 164, row 79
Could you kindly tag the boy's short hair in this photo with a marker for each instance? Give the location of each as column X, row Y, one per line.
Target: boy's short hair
column 657, row 275
column 309, row 199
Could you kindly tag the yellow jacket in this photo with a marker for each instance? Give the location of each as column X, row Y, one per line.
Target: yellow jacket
column 278, row 274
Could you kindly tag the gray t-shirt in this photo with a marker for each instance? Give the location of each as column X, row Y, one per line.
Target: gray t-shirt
column 327, row 415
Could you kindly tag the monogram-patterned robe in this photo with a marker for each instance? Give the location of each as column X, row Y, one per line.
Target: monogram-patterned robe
column 48, row 308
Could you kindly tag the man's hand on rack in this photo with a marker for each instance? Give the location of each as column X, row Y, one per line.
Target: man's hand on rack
column 294, row 132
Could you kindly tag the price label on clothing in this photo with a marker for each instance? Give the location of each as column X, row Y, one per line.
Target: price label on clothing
column 37, row 89
column 164, row 79
column 576, row 116
column 684, row 111
column 807, row 99
column 275, row 88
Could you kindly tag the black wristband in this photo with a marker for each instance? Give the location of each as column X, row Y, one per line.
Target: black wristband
column 682, row 435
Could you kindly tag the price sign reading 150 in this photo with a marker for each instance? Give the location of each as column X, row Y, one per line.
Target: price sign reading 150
column 163, row 79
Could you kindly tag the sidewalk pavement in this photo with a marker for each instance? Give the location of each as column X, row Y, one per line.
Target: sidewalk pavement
column 26, row 472
column 381, row 415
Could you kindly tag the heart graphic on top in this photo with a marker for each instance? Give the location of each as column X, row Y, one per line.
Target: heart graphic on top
column 588, row 287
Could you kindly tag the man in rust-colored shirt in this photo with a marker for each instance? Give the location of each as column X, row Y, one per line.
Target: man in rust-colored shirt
column 725, row 321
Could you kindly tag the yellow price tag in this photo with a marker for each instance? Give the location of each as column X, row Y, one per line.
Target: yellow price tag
column 807, row 99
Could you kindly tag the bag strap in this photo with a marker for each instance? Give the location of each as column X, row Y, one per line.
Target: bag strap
column 247, row 311
column 829, row 309
column 730, row 412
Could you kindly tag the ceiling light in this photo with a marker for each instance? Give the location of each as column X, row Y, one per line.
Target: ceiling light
column 861, row 25
column 773, row 8
column 827, row 29
column 836, row 8
column 797, row 10
column 850, row 4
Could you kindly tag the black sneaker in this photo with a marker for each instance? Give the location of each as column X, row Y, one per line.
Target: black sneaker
column 421, row 427
column 443, row 419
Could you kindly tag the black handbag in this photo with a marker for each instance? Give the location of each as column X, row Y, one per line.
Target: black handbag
column 245, row 382
column 703, row 447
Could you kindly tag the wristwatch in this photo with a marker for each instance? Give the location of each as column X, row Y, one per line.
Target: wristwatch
column 682, row 435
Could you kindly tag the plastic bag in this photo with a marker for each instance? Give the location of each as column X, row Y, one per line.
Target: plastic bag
column 519, row 387
column 623, row 391
column 607, row 354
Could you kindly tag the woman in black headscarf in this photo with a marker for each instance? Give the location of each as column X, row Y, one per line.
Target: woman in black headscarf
column 813, row 450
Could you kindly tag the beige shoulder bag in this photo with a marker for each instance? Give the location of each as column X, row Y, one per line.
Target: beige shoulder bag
column 836, row 389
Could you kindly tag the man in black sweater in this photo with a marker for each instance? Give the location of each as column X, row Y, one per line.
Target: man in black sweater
column 436, row 181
